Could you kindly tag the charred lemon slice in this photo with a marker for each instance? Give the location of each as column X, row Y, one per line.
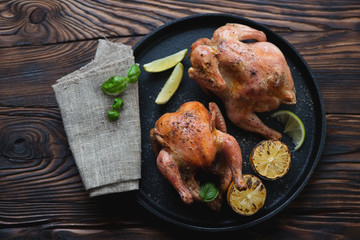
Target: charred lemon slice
column 270, row 159
column 249, row 201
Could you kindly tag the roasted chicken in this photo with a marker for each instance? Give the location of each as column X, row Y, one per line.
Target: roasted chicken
column 192, row 139
column 248, row 73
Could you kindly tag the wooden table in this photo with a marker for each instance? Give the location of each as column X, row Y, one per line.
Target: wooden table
column 41, row 192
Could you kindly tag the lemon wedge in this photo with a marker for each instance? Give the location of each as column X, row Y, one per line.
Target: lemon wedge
column 165, row 63
column 171, row 85
column 293, row 126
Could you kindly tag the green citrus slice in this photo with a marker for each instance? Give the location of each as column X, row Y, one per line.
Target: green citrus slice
column 293, row 126
column 165, row 63
column 171, row 85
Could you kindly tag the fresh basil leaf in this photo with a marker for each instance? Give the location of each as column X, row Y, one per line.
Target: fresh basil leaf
column 113, row 115
column 133, row 73
column 118, row 103
column 114, row 85
column 208, row 192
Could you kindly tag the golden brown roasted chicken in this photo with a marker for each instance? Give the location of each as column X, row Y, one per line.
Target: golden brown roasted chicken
column 191, row 139
column 248, row 76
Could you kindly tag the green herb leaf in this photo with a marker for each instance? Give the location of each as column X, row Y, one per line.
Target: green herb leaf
column 133, row 73
column 208, row 192
column 113, row 115
column 118, row 103
column 114, row 85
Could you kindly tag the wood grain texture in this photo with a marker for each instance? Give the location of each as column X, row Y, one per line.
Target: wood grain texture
column 42, row 195
column 334, row 58
column 45, row 22
column 325, row 34
column 30, row 71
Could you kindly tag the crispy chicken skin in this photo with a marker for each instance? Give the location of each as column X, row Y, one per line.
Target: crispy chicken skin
column 194, row 138
column 248, row 76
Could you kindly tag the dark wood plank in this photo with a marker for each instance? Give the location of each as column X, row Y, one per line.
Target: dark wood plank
column 334, row 58
column 29, row 72
column 331, row 50
column 45, row 22
column 42, row 194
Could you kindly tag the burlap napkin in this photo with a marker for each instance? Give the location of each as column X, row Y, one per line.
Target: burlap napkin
column 107, row 154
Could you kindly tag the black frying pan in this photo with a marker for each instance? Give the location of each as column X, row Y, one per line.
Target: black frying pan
column 155, row 193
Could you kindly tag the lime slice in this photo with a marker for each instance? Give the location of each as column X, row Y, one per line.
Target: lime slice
column 165, row 63
column 293, row 126
column 171, row 85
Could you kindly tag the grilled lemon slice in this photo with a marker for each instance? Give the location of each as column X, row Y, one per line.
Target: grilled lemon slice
column 249, row 201
column 270, row 159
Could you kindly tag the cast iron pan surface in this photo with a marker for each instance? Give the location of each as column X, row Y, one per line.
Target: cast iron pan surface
column 155, row 193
